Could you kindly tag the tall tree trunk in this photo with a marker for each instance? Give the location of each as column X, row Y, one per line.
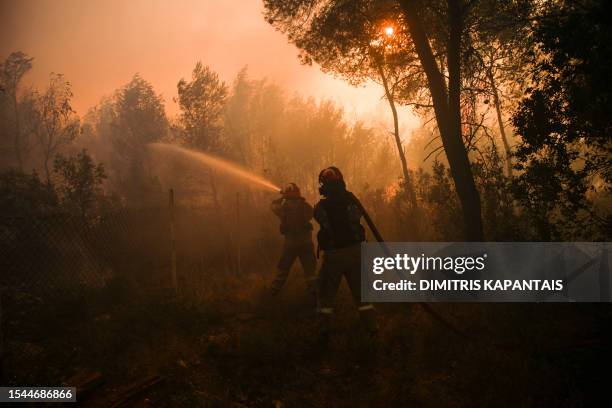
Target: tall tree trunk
column 462, row 171
column 447, row 110
column 398, row 142
column 500, row 121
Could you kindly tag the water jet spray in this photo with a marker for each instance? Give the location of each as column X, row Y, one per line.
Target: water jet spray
column 225, row 166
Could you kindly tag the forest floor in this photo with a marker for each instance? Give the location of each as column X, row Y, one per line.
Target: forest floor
column 247, row 349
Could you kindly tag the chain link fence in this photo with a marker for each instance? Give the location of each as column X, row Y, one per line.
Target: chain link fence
column 63, row 255
column 59, row 269
column 58, row 255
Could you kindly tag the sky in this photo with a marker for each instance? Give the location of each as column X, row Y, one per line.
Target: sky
column 100, row 44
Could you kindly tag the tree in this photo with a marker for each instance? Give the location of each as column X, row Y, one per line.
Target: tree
column 565, row 120
column 495, row 64
column 12, row 71
column 434, row 34
column 447, row 102
column 135, row 117
column 22, row 195
column 292, row 139
column 390, row 59
column 254, row 120
column 237, row 116
column 139, row 114
column 57, row 123
column 80, row 181
column 322, row 29
column 359, row 41
column 492, row 80
column 202, row 101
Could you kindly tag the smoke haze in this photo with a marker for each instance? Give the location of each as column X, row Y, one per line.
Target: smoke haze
column 99, row 45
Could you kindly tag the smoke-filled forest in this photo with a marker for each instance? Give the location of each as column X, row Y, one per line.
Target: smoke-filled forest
column 139, row 249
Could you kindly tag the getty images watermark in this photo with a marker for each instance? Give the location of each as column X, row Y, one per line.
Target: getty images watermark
column 486, row 272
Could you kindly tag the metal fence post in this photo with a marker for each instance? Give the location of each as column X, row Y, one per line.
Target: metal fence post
column 2, row 367
column 172, row 241
column 238, row 255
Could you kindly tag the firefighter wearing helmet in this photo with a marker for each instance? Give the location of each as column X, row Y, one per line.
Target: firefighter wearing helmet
column 295, row 215
column 340, row 237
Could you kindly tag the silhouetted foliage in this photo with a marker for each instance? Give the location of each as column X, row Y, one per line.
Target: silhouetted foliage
column 565, row 122
column 12, row 71
column 56, row 125
column 202, row 101
column 80, row 182
column 23, row 195
column 426, row 54
column 136, row 117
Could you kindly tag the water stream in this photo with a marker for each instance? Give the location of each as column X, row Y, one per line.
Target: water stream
column 218, row 164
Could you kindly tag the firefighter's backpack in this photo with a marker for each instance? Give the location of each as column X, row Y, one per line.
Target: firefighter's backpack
column 340, row 222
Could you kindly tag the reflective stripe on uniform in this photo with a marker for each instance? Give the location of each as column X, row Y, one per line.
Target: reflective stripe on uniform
column 366, row 307
column 326, row 310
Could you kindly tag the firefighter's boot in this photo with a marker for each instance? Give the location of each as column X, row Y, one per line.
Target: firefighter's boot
column 324, row 323
column 279, row 281
column 367, row 313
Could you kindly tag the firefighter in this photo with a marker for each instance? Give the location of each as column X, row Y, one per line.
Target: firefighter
column 340, row 238
column 295, row 215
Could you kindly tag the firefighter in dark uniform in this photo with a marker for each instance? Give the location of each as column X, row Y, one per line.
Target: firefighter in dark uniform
column 295, row 215
column 340, row 238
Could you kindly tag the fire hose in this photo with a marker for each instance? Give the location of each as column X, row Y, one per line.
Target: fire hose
column 426, row 307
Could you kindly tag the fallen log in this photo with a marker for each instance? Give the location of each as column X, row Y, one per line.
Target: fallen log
column 130, row 392
column 85, row 381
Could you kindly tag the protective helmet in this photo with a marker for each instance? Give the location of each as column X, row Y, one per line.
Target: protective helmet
column 330, row 174
column 291, row 190
column 331, row 181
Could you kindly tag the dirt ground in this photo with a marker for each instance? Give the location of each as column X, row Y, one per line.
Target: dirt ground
column 243, row 348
